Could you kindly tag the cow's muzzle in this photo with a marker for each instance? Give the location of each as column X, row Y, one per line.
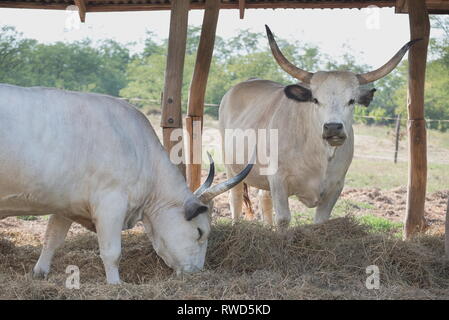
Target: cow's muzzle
column 334, row 134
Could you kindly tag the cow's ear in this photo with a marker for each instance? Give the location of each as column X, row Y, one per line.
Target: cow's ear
column 365, row 96
column 193, row 208
column 298, row 93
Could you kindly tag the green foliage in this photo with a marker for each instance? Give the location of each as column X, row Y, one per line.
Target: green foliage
column 107, row 67
column 14, row 54
column 378, row 224
column 437, row 79
column 27, row 218
column 145, row 79
column 77, row 66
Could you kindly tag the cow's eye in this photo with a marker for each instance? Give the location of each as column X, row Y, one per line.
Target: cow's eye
column 351, row 102
column 315, row 100
column 200, row 233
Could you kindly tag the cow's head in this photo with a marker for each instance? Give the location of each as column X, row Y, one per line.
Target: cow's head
column 179, row 234
column 333, row 94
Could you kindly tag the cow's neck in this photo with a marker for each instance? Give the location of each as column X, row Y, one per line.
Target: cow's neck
column 167, row 187
column 314, row 151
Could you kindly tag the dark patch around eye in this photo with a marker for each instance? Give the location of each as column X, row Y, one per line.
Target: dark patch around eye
column 352, row 101
column 200, row 233
column 315, row 100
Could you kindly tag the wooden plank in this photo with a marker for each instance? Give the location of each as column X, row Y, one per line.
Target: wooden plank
column 171, row 102
column 446, row 232
column 416, row 195
column 433, row 6
column 171, row 98
column 397, row 136
column 81, row 4
column 194, row 151
column 169, row 143
column 198, row 91
column 400, row 6
column 195, row 6
column 242, row 8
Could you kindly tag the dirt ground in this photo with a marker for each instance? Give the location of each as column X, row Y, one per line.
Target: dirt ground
column 389, row 204
column 246, row 260
column 249, row 260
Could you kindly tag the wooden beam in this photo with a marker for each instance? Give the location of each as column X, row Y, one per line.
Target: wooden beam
column 417, row 181
column 81, row 4
column 400, row 6
column 106, row 7
column 433, row 6
column 242, row 8
column 194, row 120
column 171, row 98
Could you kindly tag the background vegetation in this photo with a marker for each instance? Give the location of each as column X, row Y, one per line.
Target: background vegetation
column 109, row 67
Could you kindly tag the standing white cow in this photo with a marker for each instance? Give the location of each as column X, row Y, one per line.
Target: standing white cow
column 96, row 160
column 314, row 124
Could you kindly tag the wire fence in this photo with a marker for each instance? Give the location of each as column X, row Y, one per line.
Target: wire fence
column 375, row 118
column 394, row 119
column 391, row 150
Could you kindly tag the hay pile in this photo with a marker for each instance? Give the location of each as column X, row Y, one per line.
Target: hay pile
column 244, row 261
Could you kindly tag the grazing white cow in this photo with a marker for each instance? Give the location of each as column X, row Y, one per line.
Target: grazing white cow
column 96, row 160
column 314, row 124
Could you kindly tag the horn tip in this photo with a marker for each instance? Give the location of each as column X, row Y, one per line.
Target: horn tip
column 211, row 160
column 269, row 33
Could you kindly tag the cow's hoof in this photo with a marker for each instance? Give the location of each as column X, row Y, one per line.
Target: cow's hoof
column 40, row 274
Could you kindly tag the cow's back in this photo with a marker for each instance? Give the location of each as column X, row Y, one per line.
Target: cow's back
column 57, row 147
column 250, row 104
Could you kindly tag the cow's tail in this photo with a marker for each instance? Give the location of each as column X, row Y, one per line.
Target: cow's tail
column 249, row 212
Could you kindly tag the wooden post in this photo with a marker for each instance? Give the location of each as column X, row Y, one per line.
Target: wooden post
column 194, row 120
column 171, row 99
column 398, row 132
column 242, row 8
column 416, row 195
column 446, row 232
column 81, row 4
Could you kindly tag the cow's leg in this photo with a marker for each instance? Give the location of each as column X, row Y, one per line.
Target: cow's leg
column 235, row 198
column 266, row 206
column 280, row 202
column 324, row 208
column 109, row 217
column 57, row 229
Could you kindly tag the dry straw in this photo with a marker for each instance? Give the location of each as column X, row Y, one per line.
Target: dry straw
column 244, row 261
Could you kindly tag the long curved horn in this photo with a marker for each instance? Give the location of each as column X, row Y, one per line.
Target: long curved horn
column 209, row 179
column 288, row 67
column 224, row 186
column 386, row 68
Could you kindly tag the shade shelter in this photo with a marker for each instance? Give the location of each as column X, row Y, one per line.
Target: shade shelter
column 418, row 11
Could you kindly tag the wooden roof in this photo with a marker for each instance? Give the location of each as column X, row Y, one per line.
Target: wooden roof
column 141, row 5
column 434, row 6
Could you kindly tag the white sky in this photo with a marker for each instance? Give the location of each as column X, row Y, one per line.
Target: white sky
column 371, row 35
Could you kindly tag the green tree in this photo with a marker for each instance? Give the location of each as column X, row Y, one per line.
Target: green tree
column 81, row 66
column 14, row 55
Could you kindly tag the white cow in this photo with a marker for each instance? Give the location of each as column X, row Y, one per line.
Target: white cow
column 314, row 124
column 96, row 160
